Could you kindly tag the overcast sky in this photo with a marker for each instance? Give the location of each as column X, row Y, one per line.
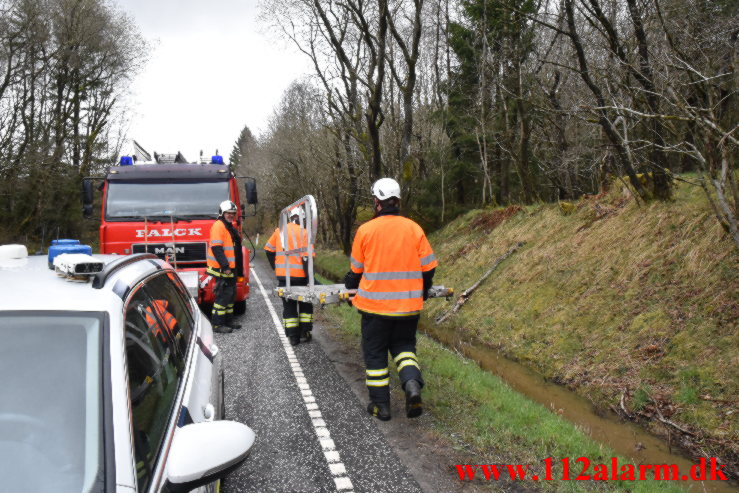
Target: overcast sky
column 212, row 70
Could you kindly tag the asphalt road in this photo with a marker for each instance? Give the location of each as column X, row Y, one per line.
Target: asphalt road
column 313, row 433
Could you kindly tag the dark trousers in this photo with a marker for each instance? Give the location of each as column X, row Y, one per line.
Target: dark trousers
column 383, row 334
column 297, row 316
column 223, row 305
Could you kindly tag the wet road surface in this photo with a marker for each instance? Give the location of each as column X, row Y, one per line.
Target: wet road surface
column 313, row 433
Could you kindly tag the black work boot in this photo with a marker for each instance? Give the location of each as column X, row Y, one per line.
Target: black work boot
column 294, row 340
column 306, row 336
column 380, row 410
column 234, row 326
column 222, row 329
column 413, row 404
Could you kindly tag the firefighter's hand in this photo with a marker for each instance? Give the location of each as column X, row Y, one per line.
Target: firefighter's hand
column 227, row 271
column 425, row 294
column 351, row 280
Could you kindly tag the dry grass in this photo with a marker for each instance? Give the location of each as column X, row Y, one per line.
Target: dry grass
column 612, row 298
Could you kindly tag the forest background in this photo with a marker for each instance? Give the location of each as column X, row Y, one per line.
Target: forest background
column 468, row 103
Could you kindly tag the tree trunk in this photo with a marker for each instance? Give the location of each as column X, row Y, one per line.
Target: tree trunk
column 603, row 120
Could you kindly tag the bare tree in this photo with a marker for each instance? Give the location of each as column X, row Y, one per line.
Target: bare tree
column 65, row 66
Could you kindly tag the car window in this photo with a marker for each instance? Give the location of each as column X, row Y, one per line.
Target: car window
column 154, row 371
column 51, row 401
column 172, row 308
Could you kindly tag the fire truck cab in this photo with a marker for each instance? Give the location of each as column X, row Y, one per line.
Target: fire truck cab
column 168, row 210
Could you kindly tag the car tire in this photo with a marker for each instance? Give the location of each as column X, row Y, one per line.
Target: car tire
column 240, row 307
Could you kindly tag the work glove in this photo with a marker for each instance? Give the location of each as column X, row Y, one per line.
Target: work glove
column 351, row 280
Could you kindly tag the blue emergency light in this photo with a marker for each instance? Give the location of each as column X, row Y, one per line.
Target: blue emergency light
column 66, row 246
column 126, row 160
column 216, row 160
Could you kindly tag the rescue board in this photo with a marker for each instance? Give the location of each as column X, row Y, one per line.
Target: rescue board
column 324, row 294
column 319, row 294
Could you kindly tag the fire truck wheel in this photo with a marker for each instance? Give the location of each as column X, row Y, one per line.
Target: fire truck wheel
column 240, row 307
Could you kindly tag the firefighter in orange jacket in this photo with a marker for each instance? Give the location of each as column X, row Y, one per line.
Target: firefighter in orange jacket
column 392, row 268
column 225, row 263
column 297, row 316
column 170, row 332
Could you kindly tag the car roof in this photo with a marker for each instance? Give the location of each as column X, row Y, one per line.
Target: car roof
column 29, row 284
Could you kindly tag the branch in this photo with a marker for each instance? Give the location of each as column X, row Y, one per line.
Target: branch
column 695, row 118
column 468, row 292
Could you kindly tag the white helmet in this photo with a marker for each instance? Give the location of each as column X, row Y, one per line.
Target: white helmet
column 297, row 212
column 385, row 188
column 227, row 206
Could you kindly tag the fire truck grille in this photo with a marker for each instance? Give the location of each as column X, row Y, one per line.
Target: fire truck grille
column 184, row 253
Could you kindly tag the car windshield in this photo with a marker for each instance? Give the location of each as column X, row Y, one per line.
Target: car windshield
column 50, row 401
column 161, row 200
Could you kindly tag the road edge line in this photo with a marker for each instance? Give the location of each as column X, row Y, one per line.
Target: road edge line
column 330, row 452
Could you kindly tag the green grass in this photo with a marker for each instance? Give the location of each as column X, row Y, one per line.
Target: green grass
column 488, row 422
column 644, row 299
column 331, row 264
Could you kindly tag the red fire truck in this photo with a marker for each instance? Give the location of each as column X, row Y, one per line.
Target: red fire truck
column 168, row 210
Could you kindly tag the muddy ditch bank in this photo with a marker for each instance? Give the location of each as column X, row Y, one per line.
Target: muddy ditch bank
column 603, row 425
column 627, row 438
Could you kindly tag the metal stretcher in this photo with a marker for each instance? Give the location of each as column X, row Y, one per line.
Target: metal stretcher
column 317, row 294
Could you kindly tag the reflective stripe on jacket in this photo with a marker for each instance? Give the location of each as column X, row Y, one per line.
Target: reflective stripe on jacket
column 297, row 238
column 219, row 236
column 160, row 306
column 391, row 252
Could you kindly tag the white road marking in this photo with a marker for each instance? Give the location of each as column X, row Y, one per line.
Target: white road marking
column 331, row 454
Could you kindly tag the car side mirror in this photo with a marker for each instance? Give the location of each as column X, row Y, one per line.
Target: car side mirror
column 250, row 187
column 87, row 198
column 202, row 453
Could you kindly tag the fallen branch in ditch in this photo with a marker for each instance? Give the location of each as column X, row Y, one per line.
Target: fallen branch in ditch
column 666, row 421
column 468, row 292
column 674, row 425
column 623, row 406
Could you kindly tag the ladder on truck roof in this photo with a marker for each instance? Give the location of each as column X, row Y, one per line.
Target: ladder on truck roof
column 317, row 294
column 170, row 158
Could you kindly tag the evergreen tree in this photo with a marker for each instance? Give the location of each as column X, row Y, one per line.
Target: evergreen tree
column 488, row 121
column 242, row 148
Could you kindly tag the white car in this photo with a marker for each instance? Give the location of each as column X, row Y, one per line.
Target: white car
column 108, row 381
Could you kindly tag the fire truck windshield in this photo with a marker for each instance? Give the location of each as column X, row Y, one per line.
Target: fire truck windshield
column 134, row 200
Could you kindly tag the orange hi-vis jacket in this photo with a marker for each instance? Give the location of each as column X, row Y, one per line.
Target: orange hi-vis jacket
column 297, row 239
column 391, row 252
column 160, row 306
column 219, row 236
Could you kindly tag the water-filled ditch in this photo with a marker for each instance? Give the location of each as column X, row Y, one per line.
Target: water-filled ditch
column 627, row 439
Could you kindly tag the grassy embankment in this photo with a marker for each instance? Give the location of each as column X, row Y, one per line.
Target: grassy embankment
column 610, row 299
column 485, row 420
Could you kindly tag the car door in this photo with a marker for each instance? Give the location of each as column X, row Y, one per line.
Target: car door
column 203, row 395
column 156, row 374
column 171, row 372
